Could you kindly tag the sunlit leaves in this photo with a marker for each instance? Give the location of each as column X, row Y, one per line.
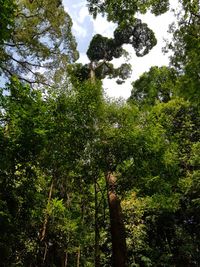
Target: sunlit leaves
column 124, row 10
column 185, row 48
column 40, row 43
column 157, row 85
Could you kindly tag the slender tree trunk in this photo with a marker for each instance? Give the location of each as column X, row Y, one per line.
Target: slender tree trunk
column 78, row 257
column 66, row 259
column 43, row 232
column 45, row 252
column 92, row 76
column 119, row 252
column 97, row 236
column 92, row 73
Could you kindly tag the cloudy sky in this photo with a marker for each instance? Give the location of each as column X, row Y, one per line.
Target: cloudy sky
column 84, row 27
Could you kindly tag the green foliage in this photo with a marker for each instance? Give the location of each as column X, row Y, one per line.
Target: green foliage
column 137, row 34
column 56, row 145
column 157, row 85
column 21, row 182
column 105, row 49
column 40, row 43
column 7, row 19
column 44, row 139
column 161, row 178
column 185, row 47
column 125, row 10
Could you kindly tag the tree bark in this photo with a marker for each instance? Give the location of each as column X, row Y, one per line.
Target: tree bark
column 66, row 259
column 119, row 251
column 78, row 257
column 92, row 73
column 43, row 232
column 97, row 236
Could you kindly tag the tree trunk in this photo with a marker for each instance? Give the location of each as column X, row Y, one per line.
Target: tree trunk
column 43, row 232
column 119, row 252
column 97, row 236
column 66, row 259
column 78, row 257
column 92, row 75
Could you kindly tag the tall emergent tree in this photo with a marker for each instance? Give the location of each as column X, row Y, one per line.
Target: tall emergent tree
column 130, row 30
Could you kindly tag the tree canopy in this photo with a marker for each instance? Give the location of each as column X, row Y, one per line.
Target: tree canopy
column 40, row 44
column 185, row 47
column 125, row 10
column 86, row 180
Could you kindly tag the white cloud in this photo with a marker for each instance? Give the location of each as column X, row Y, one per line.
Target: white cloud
column 103, row 27
column 115, row 90
column 83, row 58
column 78, row 13
column 83, row 13
column 79, row 30
column 79, row 5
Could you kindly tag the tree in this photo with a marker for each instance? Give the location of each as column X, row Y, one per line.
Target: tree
column 156, row 85
column 185, row 47
column 40, row 44
column 22, row 140
column 158, row 207
column 43, row 179
column 108, row 151
column 102, row 50
column 88, row 181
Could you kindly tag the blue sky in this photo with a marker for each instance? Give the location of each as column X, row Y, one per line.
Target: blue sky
column 82, row 24
column 84, row 27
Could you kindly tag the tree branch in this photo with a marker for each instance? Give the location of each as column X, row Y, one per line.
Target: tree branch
column 26, row 62
column 31, row 82
column 12, row 45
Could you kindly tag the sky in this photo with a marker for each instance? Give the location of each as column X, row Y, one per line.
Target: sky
column 85, row 27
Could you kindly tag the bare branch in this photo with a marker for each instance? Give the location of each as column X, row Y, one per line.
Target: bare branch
column 22, row 63
column 31, row 82
column 26, row 16
column 100, row 64
column 12, row 45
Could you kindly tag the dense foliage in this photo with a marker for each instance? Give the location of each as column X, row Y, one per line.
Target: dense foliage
column 7, row 17
column 40, row 44
column 86, row 181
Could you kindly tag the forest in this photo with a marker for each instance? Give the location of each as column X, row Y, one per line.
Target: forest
column 89, row 181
